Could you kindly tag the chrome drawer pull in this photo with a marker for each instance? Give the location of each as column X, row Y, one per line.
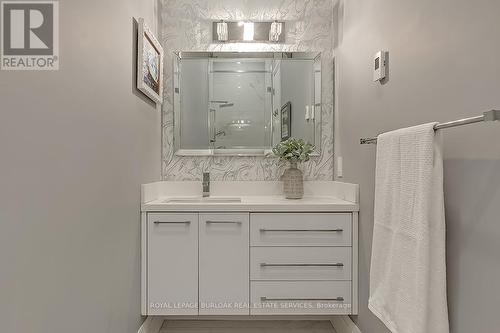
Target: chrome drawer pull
column 224, row 222
column 303, row 230
column 266, row 299
column 172, row 222
column 339, row 264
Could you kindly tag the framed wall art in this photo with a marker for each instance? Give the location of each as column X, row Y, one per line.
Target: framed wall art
column 286, row 121
column 149, row 63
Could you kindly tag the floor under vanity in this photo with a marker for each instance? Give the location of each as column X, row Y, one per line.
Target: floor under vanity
column 247, row 326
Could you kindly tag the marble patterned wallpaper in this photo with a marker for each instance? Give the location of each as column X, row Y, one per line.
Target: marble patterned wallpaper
column 186, row 26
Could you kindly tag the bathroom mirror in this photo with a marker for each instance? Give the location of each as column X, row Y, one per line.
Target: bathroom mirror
column 228, row 103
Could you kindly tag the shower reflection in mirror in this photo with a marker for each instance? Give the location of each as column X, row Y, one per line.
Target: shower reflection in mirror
column 244, row 103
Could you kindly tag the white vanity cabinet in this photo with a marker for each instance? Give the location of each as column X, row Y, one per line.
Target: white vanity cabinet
column 246, row 251
column 250, row 263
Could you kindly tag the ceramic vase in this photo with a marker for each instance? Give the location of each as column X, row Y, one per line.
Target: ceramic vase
column 293, row 182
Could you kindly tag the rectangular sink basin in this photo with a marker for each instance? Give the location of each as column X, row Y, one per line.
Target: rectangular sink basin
column 203, row 200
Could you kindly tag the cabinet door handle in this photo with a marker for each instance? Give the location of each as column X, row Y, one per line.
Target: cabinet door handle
column 339, row 264
column 223, row 222
column 172, row 222
column 267, row 299
column 302, row 230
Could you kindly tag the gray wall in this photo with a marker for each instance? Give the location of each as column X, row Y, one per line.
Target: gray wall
column 443, row 66
column 75, row 145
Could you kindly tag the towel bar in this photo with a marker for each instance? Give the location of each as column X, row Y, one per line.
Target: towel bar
column 491, row 115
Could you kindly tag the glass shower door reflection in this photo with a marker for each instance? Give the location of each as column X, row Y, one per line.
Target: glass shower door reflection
column 240, row 104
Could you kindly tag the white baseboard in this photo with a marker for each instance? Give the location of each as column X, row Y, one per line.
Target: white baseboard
column 344, row 324
column 152, row 324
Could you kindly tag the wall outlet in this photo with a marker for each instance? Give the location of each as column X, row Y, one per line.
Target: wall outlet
column 340, row 167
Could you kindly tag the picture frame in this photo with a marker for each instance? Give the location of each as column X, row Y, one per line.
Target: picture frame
column 286, row 121
column 149, row 63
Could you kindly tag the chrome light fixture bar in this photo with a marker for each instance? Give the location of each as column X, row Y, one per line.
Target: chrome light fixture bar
column 248, row 31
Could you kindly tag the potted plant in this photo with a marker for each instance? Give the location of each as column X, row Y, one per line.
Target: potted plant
column 294, row 151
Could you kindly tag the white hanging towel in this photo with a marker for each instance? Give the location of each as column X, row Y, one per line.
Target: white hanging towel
column 408, row 264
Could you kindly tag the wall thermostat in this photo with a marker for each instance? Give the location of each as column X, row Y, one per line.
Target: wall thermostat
column 379, row 66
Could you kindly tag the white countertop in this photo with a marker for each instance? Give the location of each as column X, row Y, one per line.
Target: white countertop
column 256, row 204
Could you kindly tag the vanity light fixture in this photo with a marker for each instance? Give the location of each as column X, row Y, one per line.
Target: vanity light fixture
column 275, row 31
column 222, row 31
column 248, row 31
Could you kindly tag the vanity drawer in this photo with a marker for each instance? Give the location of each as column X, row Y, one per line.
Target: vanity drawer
column 300, row 297
column 300, row 263
column 300, row 229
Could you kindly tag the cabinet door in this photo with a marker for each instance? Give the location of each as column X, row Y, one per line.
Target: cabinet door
column 224, row 264
column 172, row 264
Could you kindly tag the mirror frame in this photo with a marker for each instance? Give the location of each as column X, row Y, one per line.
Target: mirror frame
column 179, row 55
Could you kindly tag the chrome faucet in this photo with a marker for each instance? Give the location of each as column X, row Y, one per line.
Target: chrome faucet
column 206, row 184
